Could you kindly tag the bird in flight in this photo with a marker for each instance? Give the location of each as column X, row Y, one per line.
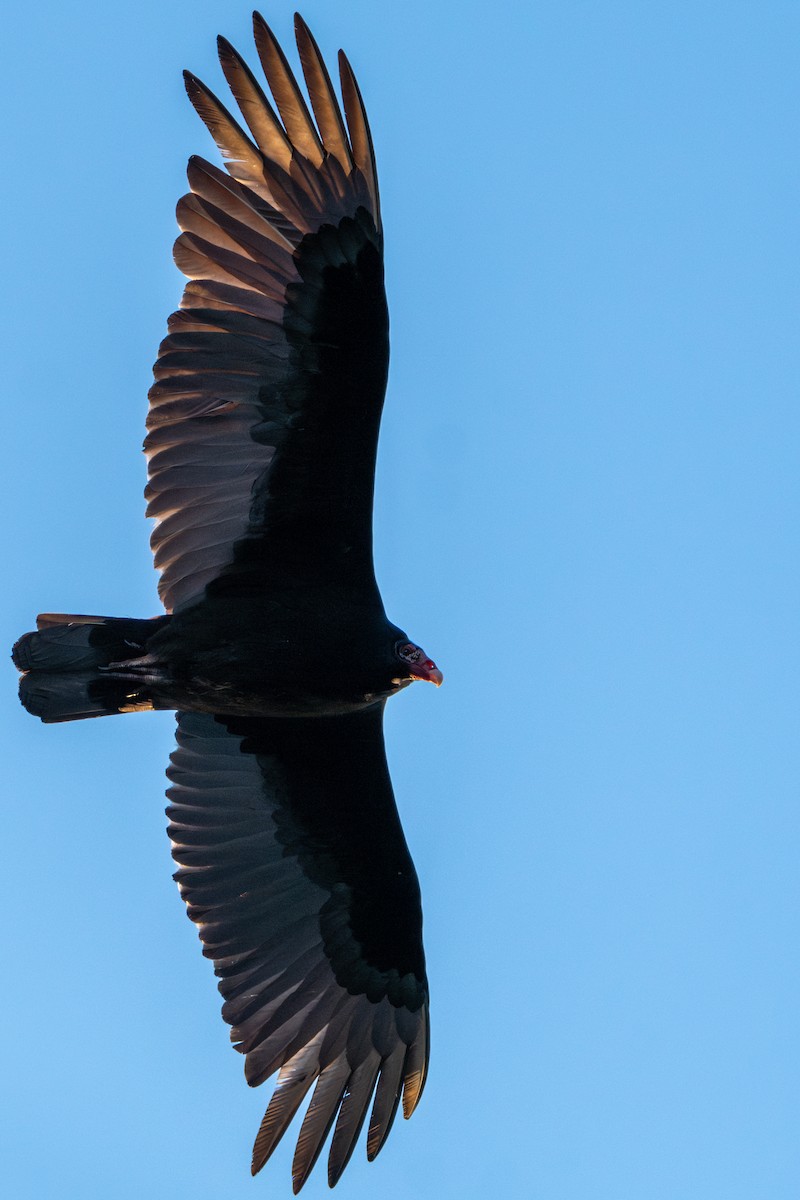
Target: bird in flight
column 275, row 648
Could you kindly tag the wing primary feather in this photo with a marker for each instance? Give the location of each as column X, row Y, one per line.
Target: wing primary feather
column 360, row 135
column 283, row 85
column 318, row 1120
column 232, row 142
column 322, row 96
column 387, row 1100
column 351, row 1115
column 294, row 1080
column 415, row 1069
column 256, row 109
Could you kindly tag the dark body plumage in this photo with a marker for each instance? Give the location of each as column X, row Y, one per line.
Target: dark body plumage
column 262, row 436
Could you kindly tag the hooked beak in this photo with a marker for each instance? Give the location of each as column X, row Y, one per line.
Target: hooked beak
column 428, row 671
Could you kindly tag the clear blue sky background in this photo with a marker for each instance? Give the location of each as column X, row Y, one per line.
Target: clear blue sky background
column 587, row 513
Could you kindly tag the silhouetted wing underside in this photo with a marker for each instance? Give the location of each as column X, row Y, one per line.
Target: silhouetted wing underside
column 264, row 414
column 294, row 867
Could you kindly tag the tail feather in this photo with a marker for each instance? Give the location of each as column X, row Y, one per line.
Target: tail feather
column 69, row 642
column 74, row 697
column 69, row 666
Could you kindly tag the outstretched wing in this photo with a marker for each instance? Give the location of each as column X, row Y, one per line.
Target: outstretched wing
column 264, row 416
column 294, row 867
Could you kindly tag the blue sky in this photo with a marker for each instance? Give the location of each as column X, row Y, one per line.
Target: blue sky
column 586, row 513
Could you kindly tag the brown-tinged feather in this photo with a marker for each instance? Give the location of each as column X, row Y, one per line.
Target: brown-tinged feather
column 351, row 1115
column 269, row 134
column 283, row 85
column 360, row 135
column 322, row 96
column 242, row 158
column 240, row 202
column 318, row 1120
column 387, row 1100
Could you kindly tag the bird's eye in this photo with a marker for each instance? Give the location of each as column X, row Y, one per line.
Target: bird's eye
column 408, row 652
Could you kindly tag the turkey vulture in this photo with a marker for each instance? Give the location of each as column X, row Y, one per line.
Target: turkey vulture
column 275, row 648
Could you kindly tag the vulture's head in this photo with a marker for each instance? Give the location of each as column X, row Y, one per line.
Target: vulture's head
column 411, row 662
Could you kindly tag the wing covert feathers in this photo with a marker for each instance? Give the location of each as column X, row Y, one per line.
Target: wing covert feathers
column 224, row 368
column 258, row 883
